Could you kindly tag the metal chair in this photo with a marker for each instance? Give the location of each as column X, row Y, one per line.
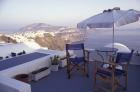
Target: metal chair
column 77, row 58
column 112, row 74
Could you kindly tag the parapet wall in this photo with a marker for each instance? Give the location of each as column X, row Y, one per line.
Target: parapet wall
column 12, row 85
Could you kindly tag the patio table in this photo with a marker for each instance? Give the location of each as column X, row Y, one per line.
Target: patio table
column 106, row 50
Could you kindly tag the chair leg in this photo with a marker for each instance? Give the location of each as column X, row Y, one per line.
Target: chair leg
column 94, row 75
column 86, row 70
column 67, row 67
column 126, row 78
column 69, row 76
column 68, row 71
column 95, row 81
column 113, row 85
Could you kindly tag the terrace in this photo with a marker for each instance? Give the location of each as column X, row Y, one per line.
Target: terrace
column 57, row 81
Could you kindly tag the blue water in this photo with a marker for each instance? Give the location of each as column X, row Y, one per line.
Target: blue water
column 100, row 38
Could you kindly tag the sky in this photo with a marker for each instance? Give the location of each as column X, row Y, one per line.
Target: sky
column 18, row 13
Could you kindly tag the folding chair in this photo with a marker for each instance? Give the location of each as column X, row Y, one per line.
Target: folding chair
column 112, row 74
column 78, row 60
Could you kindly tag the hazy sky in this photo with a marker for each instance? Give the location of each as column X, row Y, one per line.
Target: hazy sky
column 17, row 13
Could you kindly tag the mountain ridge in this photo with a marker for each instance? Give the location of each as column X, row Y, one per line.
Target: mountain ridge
column 41, row 26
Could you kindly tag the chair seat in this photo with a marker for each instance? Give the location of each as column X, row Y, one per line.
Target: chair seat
column 77, row 60
column 104, row 73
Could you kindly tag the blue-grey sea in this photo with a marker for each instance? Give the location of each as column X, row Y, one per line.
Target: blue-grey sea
column 99, row 38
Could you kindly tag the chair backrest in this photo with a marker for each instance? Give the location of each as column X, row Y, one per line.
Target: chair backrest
column 124, row 57
column 77, row 49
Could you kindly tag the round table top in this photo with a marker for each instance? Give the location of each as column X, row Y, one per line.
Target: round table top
column 106, row 49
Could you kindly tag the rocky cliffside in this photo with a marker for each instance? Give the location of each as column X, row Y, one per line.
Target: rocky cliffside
column 52, row 42
column 6, row 39
column 42, row 35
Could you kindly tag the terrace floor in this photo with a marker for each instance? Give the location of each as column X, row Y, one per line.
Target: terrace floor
column 58, row 81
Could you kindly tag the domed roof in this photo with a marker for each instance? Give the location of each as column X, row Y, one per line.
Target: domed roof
column 119, row 46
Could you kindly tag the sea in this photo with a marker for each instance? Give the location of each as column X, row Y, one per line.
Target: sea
column 99, row 38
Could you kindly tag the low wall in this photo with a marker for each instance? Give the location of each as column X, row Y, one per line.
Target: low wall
column 12, row 85
column 27, row 68
column 7, row 84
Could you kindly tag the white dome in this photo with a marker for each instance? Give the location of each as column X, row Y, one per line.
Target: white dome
column 119, row 46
